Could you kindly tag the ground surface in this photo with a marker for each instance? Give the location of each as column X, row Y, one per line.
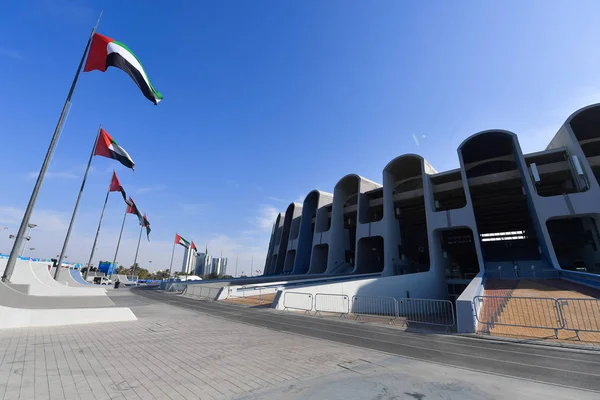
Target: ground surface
column 210, row 350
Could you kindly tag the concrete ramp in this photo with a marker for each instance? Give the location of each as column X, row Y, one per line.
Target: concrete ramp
column 19, row 310
column 29, row 318
column 43, row 284
column 40, row 283
column 76, row 275
column 124, row 280
column 66, row 278
column 10, row 297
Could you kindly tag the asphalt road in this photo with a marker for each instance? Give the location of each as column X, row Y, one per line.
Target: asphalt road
column 556, row 366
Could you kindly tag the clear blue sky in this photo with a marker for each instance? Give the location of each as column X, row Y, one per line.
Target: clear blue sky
column 257, row 93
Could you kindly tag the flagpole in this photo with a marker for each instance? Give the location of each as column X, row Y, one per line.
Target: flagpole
column 120, row 234
column 172, row 254
column 66, row 243
column 97, row 233
column 10, row 265
column 136, row 252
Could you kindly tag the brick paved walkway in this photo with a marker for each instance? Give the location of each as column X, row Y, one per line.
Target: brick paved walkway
column 172, row 353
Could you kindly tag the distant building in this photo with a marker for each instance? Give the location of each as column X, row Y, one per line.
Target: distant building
column 223, row 266
column 216, row 266
column 203, row 263
column 189, row 260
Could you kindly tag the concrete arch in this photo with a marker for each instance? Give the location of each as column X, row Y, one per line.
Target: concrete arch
column 312, row 209
column 578, row 112
column 474, row 154
column 406, row 246
column 283, row 238
column 294, row 212
column 347, row 202
column 398, row 161
column 498, row 183
column 276, row 241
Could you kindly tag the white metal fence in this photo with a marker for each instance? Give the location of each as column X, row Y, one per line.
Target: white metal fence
column 298, row 301
column 577, row 315
column 201, row 292
column 410, row 311
column 384, row 307
column 332, row 303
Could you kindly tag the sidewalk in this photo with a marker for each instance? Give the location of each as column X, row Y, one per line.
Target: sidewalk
column 173, row 353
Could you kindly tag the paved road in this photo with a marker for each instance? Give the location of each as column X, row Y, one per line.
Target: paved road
column 556, row 366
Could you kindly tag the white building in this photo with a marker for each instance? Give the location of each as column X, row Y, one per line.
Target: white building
column 189, row 261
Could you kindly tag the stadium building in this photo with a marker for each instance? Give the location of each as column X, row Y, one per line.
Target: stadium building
column 439, row 235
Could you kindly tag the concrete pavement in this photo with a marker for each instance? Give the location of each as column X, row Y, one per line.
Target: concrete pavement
column 173, row 352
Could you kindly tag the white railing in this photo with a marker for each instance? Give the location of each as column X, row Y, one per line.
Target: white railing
column 201, row 292
column 298, row 301
column 382, row 307
column 332, row 303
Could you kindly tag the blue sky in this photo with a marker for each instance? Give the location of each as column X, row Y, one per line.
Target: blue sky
column 256, row 94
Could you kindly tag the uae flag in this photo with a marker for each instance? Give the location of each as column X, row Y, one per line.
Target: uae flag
column 106, row 52
column 132, row 209
column 181, row 241
column 115, row 186
column 107, row 147
column 193, row 246
column 147, row 226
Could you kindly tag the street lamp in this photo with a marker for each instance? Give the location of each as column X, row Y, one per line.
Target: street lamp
column 30, row 250
column 28, row 237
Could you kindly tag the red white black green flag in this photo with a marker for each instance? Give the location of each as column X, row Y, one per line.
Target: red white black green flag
column 106, row 52
column 107, row 147
column 181, row 241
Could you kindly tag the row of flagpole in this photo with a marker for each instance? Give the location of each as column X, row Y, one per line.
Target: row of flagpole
column 95, row 50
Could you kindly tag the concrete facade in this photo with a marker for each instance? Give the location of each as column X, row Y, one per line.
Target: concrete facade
column 501, row 214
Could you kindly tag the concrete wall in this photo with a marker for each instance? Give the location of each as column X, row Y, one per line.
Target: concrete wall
column 416, row 286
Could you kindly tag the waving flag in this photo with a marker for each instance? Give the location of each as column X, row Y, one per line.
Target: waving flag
column 115, row 186
column 181, row 241
column 147, row 226
column 106, row 52
column 193, row 246
column 107, row 147
column 132, row 209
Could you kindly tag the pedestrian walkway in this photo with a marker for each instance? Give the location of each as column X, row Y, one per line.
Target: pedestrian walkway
column 174, row 353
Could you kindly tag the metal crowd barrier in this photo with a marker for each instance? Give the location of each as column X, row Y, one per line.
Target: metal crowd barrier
column 383, row 307
column 577, row 315
column 201, row 292
column 580, row 315
column 332, row 303
column 525, row 312
column 426, row 311
column 422, row 311
column 298, row 301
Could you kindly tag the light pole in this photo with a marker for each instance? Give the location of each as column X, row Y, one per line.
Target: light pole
column 27, row 238
column 237, row 257
column 30, row 250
